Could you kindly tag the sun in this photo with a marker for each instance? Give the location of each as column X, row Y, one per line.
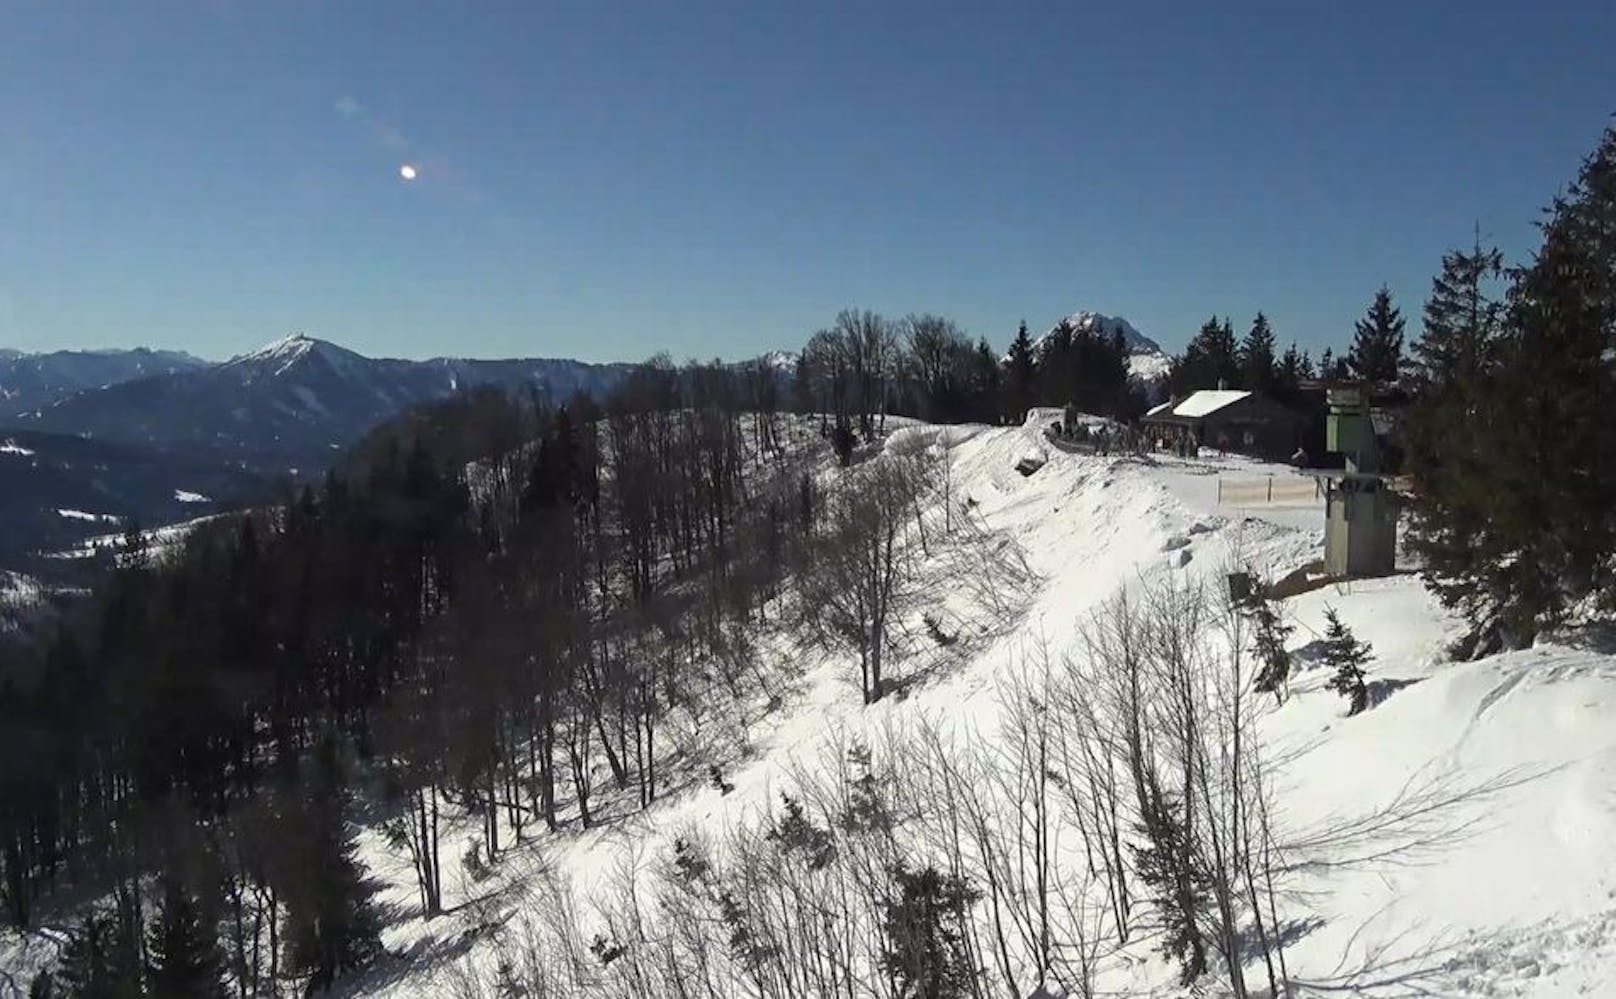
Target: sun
column 407, row 171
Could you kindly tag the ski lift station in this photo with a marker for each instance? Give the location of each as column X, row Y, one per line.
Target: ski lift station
column 1360, row 513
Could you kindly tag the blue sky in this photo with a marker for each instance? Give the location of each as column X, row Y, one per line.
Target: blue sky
column 603, row 180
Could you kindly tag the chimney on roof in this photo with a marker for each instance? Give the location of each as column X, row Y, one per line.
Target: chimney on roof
column 1222, row 385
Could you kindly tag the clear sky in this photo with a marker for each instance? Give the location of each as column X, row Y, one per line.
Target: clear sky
column 602, row 180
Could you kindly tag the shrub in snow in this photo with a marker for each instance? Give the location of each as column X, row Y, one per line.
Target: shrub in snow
column 1346, row 656
column 925, row 949
column 795, row 832
column 1269, row 641
column 715, row 777
column 472, row 860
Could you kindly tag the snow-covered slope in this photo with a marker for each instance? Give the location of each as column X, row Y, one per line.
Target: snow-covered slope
column 1504, row 883
column 1456, row 839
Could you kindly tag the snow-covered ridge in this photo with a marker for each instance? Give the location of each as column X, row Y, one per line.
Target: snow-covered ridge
column 1107, row 326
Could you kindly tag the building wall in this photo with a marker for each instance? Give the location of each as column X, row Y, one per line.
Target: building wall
column 1254, row 426
column 1274, row 431
column 1360, row 532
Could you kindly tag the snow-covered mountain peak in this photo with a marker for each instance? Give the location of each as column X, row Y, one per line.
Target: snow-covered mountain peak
column 284, row 354
column 1146, row 359
column 1096, row 322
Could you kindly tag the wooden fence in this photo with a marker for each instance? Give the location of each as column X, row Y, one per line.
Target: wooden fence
column 1270, row 490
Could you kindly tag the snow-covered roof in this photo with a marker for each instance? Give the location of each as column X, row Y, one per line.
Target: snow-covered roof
column 1159, row 410
column 1202, row 403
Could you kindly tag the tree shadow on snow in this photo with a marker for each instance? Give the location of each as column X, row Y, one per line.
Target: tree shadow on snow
column 1597, row 636
column 1446, row 964
column 1381, row 690
column 1311, row 655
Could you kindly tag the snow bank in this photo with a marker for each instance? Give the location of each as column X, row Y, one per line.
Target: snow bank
column 100, row 518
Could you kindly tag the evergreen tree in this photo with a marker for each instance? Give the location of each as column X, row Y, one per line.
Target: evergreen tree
column 1331, row 369
column 1462, row 323
column 1165, row 863
column 985, row 384
column 1345, row 656
column 1448, row 437
column 331, row 927
column 1294, row 368
column 1553, row 481
column 1268, row 642
column 1513, row 452
column 1377, row 343
column 85, row 972
column 1210, row 358
column 185, row 957
column 924, row 949
column 1257, row 366
column 1225, row 354
column 102, row 959
column 1019, row 384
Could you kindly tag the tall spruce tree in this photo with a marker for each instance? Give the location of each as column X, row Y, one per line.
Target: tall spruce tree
column 1554, row 477
column 1450, row 430
column 1463, row 319
column 102, row 959
column 1211, row 358
column 1377, row 343
column 1294, row 368
column 1257, row 365
column 1514, row 468
column 331, row 927
column 1225, row 355
column 186, row 960
column 1019, row 381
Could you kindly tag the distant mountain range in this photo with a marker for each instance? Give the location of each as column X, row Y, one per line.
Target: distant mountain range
column 286, row 407
column 30, row 382
column 157, row 435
